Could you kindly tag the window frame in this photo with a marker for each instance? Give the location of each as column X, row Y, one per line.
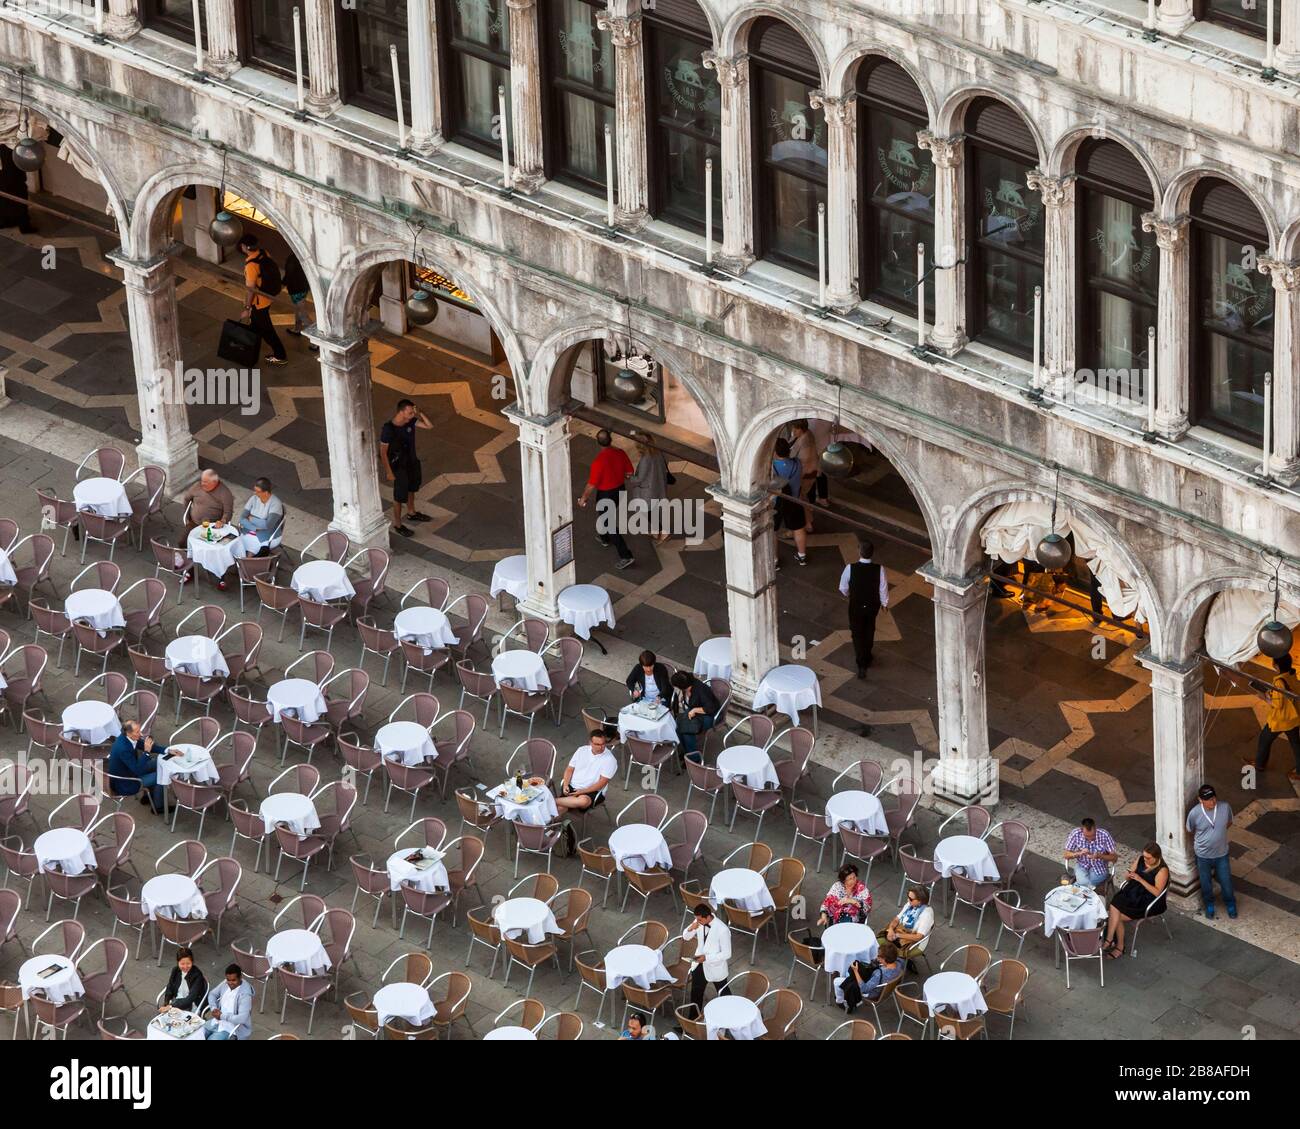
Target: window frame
column 554, row 86
column 1203, row 11
column 352, row 91
column 449, row 70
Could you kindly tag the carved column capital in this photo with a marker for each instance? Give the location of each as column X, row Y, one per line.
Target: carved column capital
column 1171, row 235
column 839, row 109
column 1056, row 191
column 1285, row 275
column 624, row 31
column 946, row 152
column 733, row 72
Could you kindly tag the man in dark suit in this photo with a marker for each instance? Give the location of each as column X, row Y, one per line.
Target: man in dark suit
column 696, row 709
column 649, row 680
column 131, row 765
column 864, row 584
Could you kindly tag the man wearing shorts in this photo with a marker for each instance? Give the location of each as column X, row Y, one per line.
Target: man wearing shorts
column 401, row 463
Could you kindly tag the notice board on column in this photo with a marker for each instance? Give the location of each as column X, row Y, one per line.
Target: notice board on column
column 562, row 547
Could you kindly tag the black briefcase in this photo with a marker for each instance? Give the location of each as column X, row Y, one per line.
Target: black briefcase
column 239, row 344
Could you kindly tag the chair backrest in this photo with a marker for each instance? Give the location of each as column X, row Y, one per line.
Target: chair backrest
column 970, row 959
column 1080, row 942
column 301, row 778
column 193, row 857
column 422, row 705
column 430, row 830
column 646, row 808
column 432, row 591
column 871, row 773
column 319, row 664
column 9, row 530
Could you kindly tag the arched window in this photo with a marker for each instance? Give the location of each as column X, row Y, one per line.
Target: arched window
column 790, row 140
column 580, row 93
column 1250, row 16
column 474, row 61
column 1232, row 311
column 685, row 111
column 1005, row 256
column 897, row 184
column 1119, row 266
column 366, row 31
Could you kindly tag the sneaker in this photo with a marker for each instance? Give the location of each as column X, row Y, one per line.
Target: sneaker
column 402, row 531
column 1232, row 913
column 294, row 332
column 1209, row 911
column 221, row 585
column 417, row 516
column 626, row 562
column 800, row 559
column 276, row 362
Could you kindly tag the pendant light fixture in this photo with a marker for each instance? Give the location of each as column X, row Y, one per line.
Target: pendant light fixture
column 628, row 386
column 1054, row 551
column 1275, row 637
column 421, row 306
column 28, row 153
column 225, row 230
column 837, row 460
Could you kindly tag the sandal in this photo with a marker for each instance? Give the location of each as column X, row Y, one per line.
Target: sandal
column 1114, row 952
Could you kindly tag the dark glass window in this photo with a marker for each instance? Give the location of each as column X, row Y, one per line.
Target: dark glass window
column 1005, row 257
column 175, row 17
column 897, row 185
column 1250, row 16
column 269, row 35
column 580, row 95
column 367, row 29
column 1232, row 311
column 475, row 62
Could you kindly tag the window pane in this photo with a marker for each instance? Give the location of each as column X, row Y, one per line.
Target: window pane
column 684, row 195
column 896, row 240
column 584, row 136
column 1010, row 213
column 901, row 174
column 478, row 82
column 1118, row 250
column 584, row 53
column 1234, row 299
column 686, row 104
column 1009, row 297
column 1251, row 14
column 794, row 134
column 793, row 231
column 1118, row 349
column 271, row 22
column 380, row 25
column 482, row 22
column 1235, row 376
column 685, row 93
column 176, row 12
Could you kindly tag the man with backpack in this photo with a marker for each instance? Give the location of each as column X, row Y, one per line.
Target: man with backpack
column 263, row 282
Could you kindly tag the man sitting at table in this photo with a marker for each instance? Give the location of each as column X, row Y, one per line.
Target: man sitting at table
column 590, row 770
column 130, row 765
column 648, row 681
column 263, row 516
column 696, row 710
column 910, row 929
column 1090, row 850
column 231, row 1004
column 208, row 500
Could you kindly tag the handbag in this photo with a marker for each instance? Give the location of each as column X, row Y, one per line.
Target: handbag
column 239, row 344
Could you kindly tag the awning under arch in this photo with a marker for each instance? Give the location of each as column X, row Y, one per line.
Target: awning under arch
column 1234, row 620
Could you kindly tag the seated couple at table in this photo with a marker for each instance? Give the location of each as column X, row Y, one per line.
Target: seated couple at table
column 133, row 769
column 230, row 1004
column 1145, row 881
column 187, row 987
column 210, row 500
column 910, row 928
column 691, row 701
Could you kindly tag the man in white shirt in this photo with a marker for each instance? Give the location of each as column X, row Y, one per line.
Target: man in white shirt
column 866, row 587
column 712, row 951
column 590, row 770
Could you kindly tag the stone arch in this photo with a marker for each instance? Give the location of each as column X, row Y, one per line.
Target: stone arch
column 1178, row 196
column 708, row 7
column 952, row 113
column 1065, row 153
column 1185, row 626
column 844, row 71
column 735, row 34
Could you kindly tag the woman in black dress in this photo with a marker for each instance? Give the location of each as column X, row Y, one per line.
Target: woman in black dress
column 1147, row 880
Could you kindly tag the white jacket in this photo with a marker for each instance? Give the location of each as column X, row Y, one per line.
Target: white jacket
column 713, row 947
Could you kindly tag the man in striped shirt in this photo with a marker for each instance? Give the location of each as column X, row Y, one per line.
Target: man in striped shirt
column 1090, row 849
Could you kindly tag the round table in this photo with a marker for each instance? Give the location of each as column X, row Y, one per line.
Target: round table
column 635, row 842
column 713, row 658
column 529, row 916
column 742, row 887
column 844, row 943
column 537, row 812
column 525, row 669
column 105, row 496
column 510, row 574
column 967, row 853
column 91, row 721
column 172, row 895
column 196, row 654
column 790, row 688
column 299, row 947
column 301, row 696
column 640, row 964
column 1088, row 916
column 292, row 808
column 584, row 606
column 404, row 1001
column 321, row 581
column 218, row 556
column 428, row 878
column 660, row 728
column 860, row 810
column 407, row 741
column 192, row 762
column 69, row 847
column 736, row 1015
column 515, row 1033
column 7, row 574
column 955, row 990
column 98, row 606
column 749, row 764
column 156, row 1030
column 59, row 987
column 428, row 627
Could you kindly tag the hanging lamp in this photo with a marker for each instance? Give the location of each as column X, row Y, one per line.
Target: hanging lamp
column 1054, row 551
column 1275, row 637
column 225, row 230
column 28, row 153
column 421, row 306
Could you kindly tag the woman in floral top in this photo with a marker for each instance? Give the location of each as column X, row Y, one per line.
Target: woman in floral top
column 848, row 899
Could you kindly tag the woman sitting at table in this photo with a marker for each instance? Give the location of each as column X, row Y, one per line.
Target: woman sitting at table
column 263, row 516
column 648, row 681
column 866, row 981
column 1146, row 880
column 848, row 899
column 186, row 987
column 231, row 1007
column 696, row 709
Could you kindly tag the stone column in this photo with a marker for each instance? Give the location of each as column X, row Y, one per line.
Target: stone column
column 1177, row 713
column 422, row 62
column 121, row 18
column 948, row 334
column 966, row 773
column 1287, row 56
column 749, row 545
column 546, row 479
column 1173, row 17
column 320, row 36
column 165, row 438
column 392, row 297
column 1285, row 459
column 737, row 162
column 1057, row 194
column 841, row 198
column 633, row 177
column 1173, row 326
column 352, row 439
column 221, row 38
column 526, row 151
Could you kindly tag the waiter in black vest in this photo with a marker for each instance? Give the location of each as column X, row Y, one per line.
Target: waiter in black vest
column 867, row 590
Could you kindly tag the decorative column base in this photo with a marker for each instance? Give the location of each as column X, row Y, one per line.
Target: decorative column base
column 1172, row 428
column 949, row 344
column 843, row 302
column 633, row 221
column 734, row 264
column 120, row 28
column 527, row 183
column 180, row 462
column 322, row 107
column 966, row 780
column 371, row 534
column 1173, row 25
column 425, row 143
column 223, row 66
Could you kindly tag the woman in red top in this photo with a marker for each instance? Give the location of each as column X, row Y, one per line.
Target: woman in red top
column 609, row 470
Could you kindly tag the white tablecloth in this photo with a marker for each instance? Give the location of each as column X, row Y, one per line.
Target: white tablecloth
column 510, row 574
column 68, row 846
column 59, row 988
column 640, row 964
column 426, row 626
column 299, row 947
column 404, row 1001
column 218, row 556
column 662, row 728
column 292, row 808
column 104, row 496
column 748, row 763
column 193, row 764
column 7, row 574
column 955, row 990
column 743, row 887
column 736, row 1015
column 525, row 669
column 172, row 895
column 713, row 658
column 430, row 879
column 322, row 580
column 536, row 813
column 844, row 943
column 98, row 606
column 790, row 688
column 531, row 917
column 1088, row 916
column 640, row 846
column 91, row 721
column 196, row 654
column 969, row 853
column 585, row 606
column 407, row 741
column 155, row 1030
column 860, row 810
column 515, row 1034
column 301, row 696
